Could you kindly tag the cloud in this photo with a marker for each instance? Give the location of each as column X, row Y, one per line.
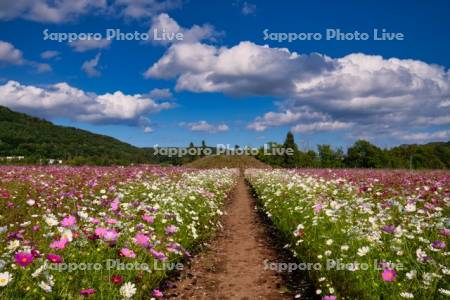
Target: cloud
column 148, row 129
column 205, row 127
column 424, row 136
column 89, row 66
column 138, row 9
column 160, row 94
column 10, row 55
column 274, row 119
column 164, row 23
column 49, row 11
column 40, row 67
column 49, row 54
column 322, row 126
column 363, row 93
column 248, row 8
column 243, row 70
column 64, row 101
column 62, row 11
column 89, row 44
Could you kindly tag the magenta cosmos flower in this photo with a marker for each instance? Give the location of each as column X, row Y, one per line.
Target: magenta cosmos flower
column 69, row 221
column 157, row 293
column 87, row 292
column 23, row 259
column 389, row 275
column 117, row 279
column 56, row 259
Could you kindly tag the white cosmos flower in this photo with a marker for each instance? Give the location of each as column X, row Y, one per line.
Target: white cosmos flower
column 344, row 247
column 410, row 207
column 411, row 274
column 444, row 291
column 44, row 286
column 128, row 290
column 13, row 245
column 363, row 251
column 51, row 220
column 5, row 278
column 407, row 295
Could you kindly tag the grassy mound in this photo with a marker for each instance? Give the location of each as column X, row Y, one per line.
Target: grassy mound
column 227, row 161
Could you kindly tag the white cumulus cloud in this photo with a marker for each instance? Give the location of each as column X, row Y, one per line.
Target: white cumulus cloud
column 64, row 101
column 379, row 95
column 164, row 23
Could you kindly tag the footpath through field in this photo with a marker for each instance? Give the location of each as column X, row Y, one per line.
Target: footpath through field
column 233, row 267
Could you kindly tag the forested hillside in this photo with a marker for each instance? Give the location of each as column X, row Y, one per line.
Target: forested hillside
column 34, row 138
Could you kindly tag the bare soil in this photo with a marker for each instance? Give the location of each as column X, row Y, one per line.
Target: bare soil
column 233, row 266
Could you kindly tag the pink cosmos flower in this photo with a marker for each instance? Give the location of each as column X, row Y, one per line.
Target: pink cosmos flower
column 389, row 275
column 388, row 228
column 141, row 239
column 115, row 204
column 23, row 258
column 127, row 253
column 171, row 229
column 95, row 221
column 157, row 293
column 445, row 232
column 318, row 207
column 68, row 221
column 100, row 231
column 36, row 228
column 87, row 292
column 438, row 244
column 110, row 235
column 148, row 219
column 111, row 221
column 329, row 297
column 59, row 244
column 158, row 255
column 56, row 259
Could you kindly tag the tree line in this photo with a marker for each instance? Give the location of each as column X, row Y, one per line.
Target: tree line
column 362, row 154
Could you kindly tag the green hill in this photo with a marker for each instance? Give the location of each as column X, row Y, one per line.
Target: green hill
column 34, row 138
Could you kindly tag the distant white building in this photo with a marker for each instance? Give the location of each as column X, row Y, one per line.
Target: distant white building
column 9, row 158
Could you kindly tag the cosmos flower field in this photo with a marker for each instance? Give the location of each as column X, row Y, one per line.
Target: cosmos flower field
column 102, row 232
column 366, row 234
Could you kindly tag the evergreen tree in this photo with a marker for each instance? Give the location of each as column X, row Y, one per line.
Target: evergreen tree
column 290, row 161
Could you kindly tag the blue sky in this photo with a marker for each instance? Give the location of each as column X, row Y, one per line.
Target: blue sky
column 220, row 83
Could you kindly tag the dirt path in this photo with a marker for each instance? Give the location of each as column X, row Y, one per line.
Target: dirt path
column 233, row 266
